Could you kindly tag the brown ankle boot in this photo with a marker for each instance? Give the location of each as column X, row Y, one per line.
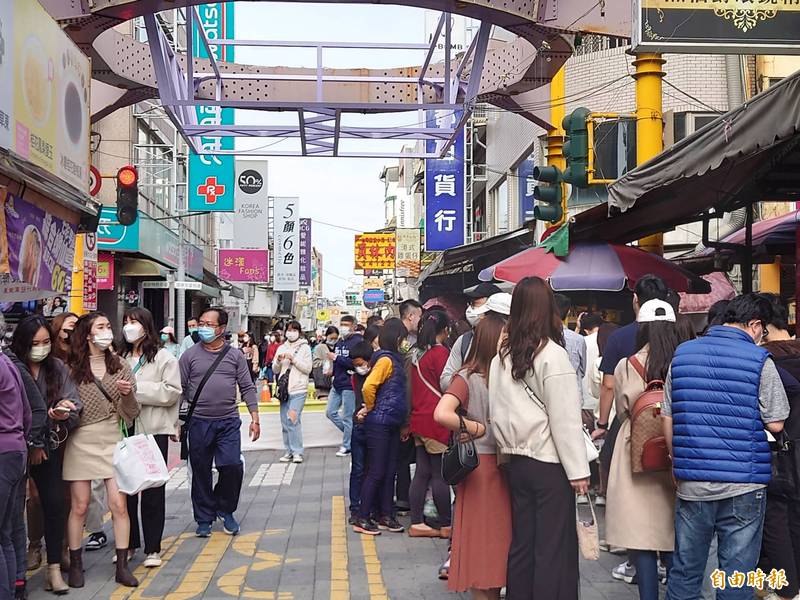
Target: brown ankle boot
column 75, row 575
column 124, row 575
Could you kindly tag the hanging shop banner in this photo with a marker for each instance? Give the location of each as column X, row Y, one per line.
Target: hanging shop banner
column 90, row 271
column 526, row 185
column 212, row 177
column 36, row 248
column 44, row 99
column 445, row 222
column 305, row 252
column 250, row 224
column 407, row 252
column 375, row 251
column 286, row 221
column 105, row 271
column 244, row 265
column 717, row 26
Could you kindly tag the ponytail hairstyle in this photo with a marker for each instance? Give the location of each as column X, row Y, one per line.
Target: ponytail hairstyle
column 433, row 323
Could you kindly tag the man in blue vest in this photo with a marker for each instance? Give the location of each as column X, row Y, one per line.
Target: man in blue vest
column 722, row 391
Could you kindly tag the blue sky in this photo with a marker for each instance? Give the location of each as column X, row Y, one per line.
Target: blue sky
column 340, row 191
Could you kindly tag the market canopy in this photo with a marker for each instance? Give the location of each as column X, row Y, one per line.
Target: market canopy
column 749, row 154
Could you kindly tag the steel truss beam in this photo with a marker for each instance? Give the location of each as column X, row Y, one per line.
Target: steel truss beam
column 318, row 125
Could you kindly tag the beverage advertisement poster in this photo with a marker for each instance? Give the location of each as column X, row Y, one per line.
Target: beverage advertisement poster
column 105, row 271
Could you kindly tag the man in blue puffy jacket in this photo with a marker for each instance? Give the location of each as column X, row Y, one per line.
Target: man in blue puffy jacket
column 722, row 392
column 342, row 399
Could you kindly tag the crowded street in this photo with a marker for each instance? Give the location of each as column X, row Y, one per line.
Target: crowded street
column 400, row 299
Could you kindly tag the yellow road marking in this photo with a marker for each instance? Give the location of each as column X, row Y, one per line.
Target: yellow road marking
column 340, row 586
column 233, row 583
column 377, row 588
column 145, row 575
column 200, row 573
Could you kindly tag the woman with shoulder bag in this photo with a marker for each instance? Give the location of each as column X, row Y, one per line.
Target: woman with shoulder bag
column 293, row 360
column 478, row 553
column 32, row 345
column 640, row 514
column 536, row 419
column 107, row 389
column 158, row 390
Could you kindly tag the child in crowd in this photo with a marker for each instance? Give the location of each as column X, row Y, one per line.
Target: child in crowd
column 361, row 355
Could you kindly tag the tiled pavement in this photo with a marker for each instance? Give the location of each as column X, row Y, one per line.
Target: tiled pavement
column 294, row 546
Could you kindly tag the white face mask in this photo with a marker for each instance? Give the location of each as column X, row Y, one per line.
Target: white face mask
column 103, row 339
column 344, row 331
column 292, row 336
column 362, row 370
column 39, row 353
column 133, row 332
column 472, row 316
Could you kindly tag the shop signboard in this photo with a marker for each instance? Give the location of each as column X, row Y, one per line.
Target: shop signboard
column 374, row 296
column 105, row 271
column 90, row 271
column 44, row 99
column 305, row 252
column 251, row 197
column 717, row 26
column 526, row 185
column 113, row 236
column 36, row 248
column 408, row 252
column 243, row 265
column 445, row 218
column 374, row 251
column 212, row 177
column 286, row 221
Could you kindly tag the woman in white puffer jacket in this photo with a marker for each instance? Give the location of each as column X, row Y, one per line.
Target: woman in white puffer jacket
column 293, row 357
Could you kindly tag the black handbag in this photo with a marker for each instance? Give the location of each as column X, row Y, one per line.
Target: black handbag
column 461, row 457
column 785, row 479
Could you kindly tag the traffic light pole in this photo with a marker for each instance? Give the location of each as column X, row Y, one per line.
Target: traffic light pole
column 649, row 124
column 555, row 136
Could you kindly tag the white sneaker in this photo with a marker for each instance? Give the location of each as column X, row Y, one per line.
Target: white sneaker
column 343, row 452
column 624, row 572
column 297, row 459
column 285, row 458
column 152, row 560
column 600, row 501
column 582, row 499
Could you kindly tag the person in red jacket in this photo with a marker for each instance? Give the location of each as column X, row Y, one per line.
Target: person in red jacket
column 428, row 361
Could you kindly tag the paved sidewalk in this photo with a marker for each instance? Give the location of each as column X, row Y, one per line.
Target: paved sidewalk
column 294, row 545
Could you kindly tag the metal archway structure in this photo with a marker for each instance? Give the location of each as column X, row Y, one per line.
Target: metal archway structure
column 493, row 72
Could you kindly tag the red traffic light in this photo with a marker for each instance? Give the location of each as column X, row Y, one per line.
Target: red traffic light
column 127, row 176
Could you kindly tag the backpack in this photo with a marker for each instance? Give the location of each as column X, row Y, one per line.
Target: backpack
column 648, row 446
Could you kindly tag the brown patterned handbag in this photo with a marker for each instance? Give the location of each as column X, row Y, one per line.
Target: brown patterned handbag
column 648, row 446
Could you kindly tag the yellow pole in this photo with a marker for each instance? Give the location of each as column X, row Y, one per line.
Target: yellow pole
column 76, row 293
column 770, row 276
column 649, row 123
column 555, row 136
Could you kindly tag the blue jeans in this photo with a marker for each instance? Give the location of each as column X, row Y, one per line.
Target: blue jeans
column 12, row 476
column 646, row 563
column 346, row 401
column 377, row 491
column 293, row 430
column 738, row 523
column 358, row 464
column 217, row 442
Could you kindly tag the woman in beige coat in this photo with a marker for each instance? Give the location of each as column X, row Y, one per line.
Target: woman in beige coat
column 640, row 510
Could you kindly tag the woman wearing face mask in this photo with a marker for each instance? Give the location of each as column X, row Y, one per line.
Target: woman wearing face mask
column 32, row 344
column 294, row 358
column 167, row 335
column 107, row 389
column 323, row 367
column 62, row 327
column 250, row 350
column 158, row 390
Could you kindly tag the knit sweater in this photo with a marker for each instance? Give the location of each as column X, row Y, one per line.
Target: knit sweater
column 96, row 406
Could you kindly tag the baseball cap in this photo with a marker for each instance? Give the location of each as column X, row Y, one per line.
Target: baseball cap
column 656, row 310
column 168, row 330
column 499, row 303
column 482, row 290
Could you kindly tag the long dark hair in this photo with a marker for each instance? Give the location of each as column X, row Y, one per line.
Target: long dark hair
column 151, row 342
column 79, row 350
column 483, row 348
column 392, row 335
column 55, row 327
column 663, row 338
column 533, row 322
column 21, row 344
column 433, row 323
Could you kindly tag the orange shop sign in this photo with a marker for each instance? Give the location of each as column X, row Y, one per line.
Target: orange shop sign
column 375, row 251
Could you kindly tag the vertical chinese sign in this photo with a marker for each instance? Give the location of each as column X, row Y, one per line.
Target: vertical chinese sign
column 526, row 185
column 286, row 236
column 374, row 252
column 90, row 271
column 407, row 253
column 305, row 252
column 445, row 219
column 211, row 176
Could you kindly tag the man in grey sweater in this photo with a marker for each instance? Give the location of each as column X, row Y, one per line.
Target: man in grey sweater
column 214, row 424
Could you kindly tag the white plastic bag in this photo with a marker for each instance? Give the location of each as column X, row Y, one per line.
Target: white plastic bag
column 138, row 464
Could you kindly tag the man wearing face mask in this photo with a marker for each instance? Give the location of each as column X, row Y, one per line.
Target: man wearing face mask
column 342, row 398
column 477, row 297
column 721, row 393
column 191, row 338
column 210, row 374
